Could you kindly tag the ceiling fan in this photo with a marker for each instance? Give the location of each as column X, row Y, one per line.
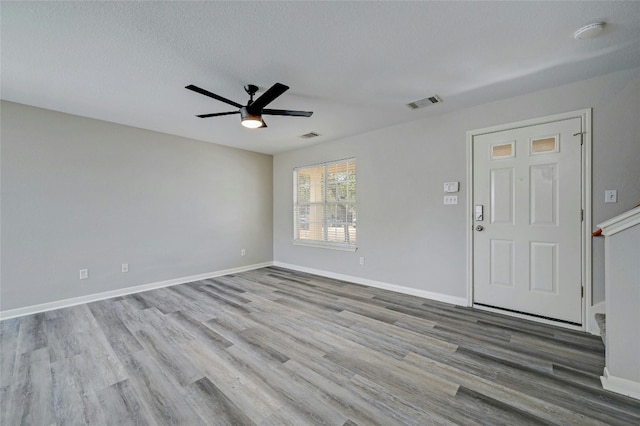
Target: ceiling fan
column 251, row 113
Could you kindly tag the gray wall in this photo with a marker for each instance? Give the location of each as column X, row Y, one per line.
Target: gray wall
column 408, row 237
column 82, row 193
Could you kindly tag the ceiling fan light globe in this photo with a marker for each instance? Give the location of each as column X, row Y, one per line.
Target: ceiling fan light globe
column 249, row 120
column 251, row 123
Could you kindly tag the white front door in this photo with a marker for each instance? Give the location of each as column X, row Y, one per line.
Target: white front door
column 527, row 247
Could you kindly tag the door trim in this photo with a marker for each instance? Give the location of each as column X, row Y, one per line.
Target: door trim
column 585, row 116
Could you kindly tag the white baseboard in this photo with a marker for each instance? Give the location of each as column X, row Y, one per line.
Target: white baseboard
column 461, row 301
column 620, row 385
column 65, row 303
column 592, row 325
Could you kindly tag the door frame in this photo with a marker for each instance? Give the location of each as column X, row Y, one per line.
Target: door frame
column 585, row 116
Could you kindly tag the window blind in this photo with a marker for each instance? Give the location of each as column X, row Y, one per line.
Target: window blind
column 325, row 204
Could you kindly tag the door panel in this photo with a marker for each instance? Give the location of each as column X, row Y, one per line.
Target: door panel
column 544, row 267
column 544, row 194
column 502, row 263
column 527, row 253
column 502, row 196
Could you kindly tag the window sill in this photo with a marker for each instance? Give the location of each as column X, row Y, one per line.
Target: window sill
column 322, row 244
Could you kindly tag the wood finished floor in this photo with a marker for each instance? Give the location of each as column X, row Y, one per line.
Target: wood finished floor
column 277, row 347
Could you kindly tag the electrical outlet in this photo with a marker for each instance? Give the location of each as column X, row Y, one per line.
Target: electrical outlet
column 125, row 267
column 450, row 199
column 84, row 274
column 362, row 260
column 610, row 196
column 243, row 252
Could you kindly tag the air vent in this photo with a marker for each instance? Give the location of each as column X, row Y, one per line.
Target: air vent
column 435, row 99
column 310, row 135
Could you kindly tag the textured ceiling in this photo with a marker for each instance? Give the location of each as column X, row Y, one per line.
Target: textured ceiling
column 355, row 64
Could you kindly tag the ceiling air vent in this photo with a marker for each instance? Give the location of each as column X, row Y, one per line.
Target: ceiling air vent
column 435, row 99
column 310, row 135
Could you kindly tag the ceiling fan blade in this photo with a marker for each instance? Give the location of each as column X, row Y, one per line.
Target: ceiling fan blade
column 287, row 112
column 217, row 114
column 269, row 96
column 213, row 95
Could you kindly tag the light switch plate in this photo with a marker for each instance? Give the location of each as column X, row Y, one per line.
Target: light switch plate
column 451, row 186
column 451, row 199
column 610, row 196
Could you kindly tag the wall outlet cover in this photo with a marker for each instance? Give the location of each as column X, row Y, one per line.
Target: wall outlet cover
column 450, row 199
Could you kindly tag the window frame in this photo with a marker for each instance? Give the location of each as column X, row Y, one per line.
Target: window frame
column 324, row 204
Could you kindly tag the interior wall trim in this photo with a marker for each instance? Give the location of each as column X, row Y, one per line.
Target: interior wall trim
column 65, row 303
column 440, row 297
column 620, row 385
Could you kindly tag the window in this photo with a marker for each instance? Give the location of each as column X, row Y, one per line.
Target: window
column 544, row 145
column 503, row 151
column 324, row 202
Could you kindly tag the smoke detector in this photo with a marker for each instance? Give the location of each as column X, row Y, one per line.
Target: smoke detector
column 589, row 31
column 435, row 99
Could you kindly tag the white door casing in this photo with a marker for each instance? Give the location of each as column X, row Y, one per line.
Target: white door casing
column 530, row 257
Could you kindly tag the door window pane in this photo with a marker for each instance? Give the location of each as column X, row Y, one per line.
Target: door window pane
column 544, row 145
column 502, row 151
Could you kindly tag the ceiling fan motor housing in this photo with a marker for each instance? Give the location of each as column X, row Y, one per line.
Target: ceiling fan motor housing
column 251, row 89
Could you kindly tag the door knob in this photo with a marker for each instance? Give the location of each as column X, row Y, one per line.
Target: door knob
column 479, row 228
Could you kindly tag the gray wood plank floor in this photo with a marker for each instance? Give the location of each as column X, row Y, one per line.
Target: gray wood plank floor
column 277, row 347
